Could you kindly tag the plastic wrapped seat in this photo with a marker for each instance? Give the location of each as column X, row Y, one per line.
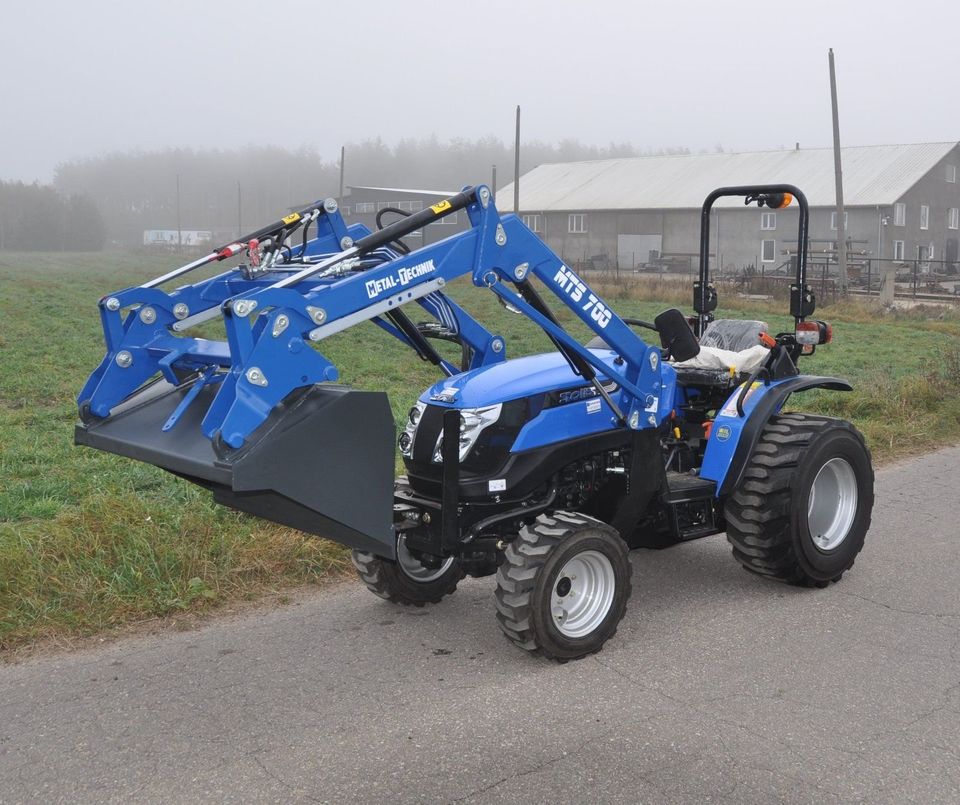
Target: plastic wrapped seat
column 733, row 334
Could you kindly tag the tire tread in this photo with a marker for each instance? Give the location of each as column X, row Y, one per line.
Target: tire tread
column 758, row 513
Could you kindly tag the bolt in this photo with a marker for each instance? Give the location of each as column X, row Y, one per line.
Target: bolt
column 148, row 315
column 441, row 282
column 113, row 303
column 484, row 196
column 634, row 420
column 244, row 307
column 124, row 359
column 521, row 270
column 501, row 236
column 426, row 517
column 180, row 310
column 280, row 324
column 330, row 205
column 346, row 242
column 654, row 359
column 318, row 314
column 497, row 345
column 255, row 376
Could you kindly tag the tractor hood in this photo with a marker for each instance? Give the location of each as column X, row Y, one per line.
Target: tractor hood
column 511, row 380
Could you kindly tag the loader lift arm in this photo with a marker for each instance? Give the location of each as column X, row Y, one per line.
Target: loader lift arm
column 271, row 322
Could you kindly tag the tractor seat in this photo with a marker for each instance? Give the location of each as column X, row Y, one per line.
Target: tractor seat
column 724, row 344
column 729, row 352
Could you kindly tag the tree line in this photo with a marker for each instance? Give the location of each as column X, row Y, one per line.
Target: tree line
column 35, row 217
column 228, row 190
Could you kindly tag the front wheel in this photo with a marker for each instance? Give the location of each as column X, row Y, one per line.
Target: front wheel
column 409, row 580
column 803, row 507
column 563, row 587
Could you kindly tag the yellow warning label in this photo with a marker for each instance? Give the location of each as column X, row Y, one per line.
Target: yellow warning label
column 442, row 206
column 291, row 218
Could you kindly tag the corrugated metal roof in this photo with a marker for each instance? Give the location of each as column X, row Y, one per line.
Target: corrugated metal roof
column 440, row 193
column 872, row 175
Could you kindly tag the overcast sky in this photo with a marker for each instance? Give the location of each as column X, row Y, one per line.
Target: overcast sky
column 81, row 77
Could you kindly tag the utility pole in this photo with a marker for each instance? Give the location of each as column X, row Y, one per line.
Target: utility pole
column 516, row 166
column 838, row 172
column 179, row 237
column 239, row 211
column 493, row 182
column 343, row 152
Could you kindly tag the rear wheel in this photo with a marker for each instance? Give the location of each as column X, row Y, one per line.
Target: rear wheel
column 803, row 507
column 409, row 580
column 563, row 587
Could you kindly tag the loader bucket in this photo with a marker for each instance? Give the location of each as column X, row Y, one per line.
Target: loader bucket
column 322, row 462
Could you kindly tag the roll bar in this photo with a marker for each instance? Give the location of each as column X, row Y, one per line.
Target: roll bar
column 774, row 196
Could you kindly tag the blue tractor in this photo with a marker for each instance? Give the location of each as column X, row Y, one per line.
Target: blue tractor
column 542, row 470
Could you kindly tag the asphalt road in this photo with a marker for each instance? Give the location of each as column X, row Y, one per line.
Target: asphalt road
column 719, row 686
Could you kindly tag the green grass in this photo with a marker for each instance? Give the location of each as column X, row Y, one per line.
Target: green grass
column 89, row 540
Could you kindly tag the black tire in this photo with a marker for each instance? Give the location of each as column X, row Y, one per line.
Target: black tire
column 767, row 516
column 390, row 581
column 527, row 578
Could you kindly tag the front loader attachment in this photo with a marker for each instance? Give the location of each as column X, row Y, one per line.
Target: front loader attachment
column 255, row 418
column 322, row 462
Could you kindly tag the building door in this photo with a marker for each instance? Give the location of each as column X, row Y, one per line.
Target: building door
column 636, row 251
column 950, row 254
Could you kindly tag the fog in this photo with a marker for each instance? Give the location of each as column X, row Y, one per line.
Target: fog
column 82, row 79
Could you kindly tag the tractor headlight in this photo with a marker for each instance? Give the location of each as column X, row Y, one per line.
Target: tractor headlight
column 405, row 442
column 473, row 421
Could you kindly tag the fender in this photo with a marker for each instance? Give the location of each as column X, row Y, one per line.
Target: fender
column 733, row 438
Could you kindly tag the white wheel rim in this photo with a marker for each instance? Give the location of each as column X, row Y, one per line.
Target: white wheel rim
column 833, row 504
column 582, row 594
column 414, row 569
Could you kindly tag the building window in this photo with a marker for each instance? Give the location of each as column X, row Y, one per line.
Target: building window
column 898, row 250
column 953, row 218
column 768, row 221
column 410, row 206
column 532, row 222
column 450, row 220
column 899, row 214
column 952, row 174
column 930, row 251
column 577, row 223
column 768, row 250
column 833, row 220
column 924, row 216
column 364, row 206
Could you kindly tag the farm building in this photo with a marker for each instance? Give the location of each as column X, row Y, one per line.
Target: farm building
column 361, row 205
column 902, row 203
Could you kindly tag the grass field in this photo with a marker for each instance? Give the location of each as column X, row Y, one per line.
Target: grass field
column 89, row 540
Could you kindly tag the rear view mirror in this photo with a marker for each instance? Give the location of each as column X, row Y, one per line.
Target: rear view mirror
column 676, row 337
